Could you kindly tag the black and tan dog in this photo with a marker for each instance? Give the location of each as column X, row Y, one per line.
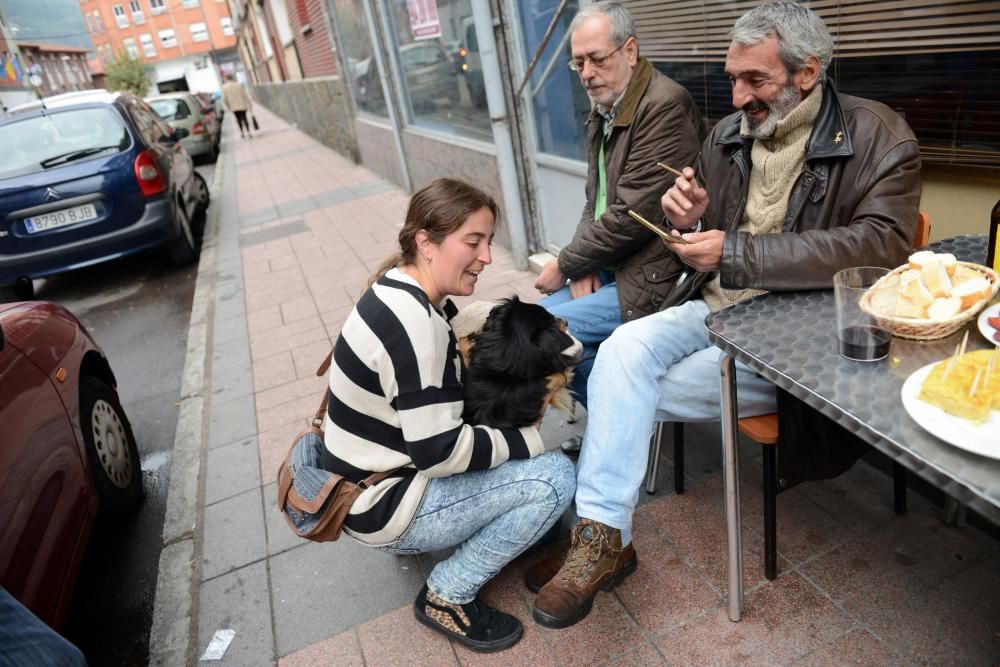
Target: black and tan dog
column 516, row 355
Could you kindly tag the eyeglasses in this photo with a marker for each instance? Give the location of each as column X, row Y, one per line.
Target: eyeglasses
column 577, row 64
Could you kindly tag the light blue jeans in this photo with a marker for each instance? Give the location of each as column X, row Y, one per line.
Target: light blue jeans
column 494, row 515
column 590, row 319
column 658, row 368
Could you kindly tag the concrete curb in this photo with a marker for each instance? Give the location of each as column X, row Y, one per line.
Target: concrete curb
column 173, row 635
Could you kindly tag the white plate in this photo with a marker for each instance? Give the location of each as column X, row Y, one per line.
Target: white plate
column 983, row 439
column 61, row 218
column 986, row 329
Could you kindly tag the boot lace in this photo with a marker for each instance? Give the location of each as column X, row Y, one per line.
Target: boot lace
column 582, row 556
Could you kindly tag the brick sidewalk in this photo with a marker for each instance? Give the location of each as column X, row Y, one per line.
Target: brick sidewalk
column 300, row 230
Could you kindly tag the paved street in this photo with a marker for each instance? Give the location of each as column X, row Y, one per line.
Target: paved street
column 138, row 309
column 297, row 232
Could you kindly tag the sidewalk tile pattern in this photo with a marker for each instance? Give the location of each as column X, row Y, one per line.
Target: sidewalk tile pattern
column 301, row 230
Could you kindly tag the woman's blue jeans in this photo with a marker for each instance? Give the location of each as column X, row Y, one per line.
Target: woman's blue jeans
column 493, row 515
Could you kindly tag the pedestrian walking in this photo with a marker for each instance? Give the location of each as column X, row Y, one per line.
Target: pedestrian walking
column 237, row 100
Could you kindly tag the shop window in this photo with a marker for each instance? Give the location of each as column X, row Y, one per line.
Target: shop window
column 363, row 71
column 559, row 102
column 442, row 70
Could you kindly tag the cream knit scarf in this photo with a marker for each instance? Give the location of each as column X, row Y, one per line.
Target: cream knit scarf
column 777, row 163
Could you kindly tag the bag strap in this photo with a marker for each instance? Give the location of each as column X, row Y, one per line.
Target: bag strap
column 317, row 420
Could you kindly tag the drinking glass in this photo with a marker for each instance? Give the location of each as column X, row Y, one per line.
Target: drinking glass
column 860, row 336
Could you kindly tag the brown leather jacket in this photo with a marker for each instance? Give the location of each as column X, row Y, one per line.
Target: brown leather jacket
column 854, row 204
column 657, row 121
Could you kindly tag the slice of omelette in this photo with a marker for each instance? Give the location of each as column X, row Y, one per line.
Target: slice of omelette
column 951, row 394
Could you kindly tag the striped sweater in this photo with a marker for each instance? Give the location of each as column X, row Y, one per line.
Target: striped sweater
column 396, row 400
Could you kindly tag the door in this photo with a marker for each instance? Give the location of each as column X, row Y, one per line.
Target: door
column 555, row 120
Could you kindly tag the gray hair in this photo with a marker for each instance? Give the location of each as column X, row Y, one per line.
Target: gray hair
column 622, row 24
column 801, row 34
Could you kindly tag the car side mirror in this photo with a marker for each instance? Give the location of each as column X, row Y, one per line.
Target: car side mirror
column 180, row 133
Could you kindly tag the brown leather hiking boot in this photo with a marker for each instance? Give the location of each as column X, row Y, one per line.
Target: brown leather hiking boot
column 542, row 572
column 596, row 561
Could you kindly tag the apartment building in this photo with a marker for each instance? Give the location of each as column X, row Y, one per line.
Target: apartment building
column 62, row 68
column 186, row 42
column 285, row 40
column 14, row 87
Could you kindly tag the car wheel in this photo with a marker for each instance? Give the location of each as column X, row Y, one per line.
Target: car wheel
column 183, row 250
column 111, row 448
column 201, row 196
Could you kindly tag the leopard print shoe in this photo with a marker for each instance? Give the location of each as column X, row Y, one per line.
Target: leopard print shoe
column 474, row 624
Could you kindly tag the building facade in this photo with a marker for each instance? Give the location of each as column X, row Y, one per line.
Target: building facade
column 438, row 88
column 186, row 42
column 62, row 68
column 14, row 86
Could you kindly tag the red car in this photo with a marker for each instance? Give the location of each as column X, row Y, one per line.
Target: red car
column 66, row 451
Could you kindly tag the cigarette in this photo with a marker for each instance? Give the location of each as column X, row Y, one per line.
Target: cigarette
column 670, row 169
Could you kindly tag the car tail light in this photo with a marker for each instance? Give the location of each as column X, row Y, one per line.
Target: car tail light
column 199, row 128
column 147, row 173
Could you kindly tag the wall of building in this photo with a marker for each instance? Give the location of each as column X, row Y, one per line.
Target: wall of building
column 959, row 199
column 313, row 41
column 377, row 149
column 431, row 155
column 319, row 107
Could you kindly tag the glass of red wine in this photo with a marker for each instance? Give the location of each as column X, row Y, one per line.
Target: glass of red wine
column 859, row 335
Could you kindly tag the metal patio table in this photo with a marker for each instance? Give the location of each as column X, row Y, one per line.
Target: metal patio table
column 789, row 338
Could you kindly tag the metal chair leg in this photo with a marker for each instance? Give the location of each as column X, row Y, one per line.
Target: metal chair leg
column 954, row 512
column 653, row 468
column 898, row 488
column 678, row 457
column 770, row 511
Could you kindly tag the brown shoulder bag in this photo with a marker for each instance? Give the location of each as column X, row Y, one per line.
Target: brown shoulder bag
column 315, row 501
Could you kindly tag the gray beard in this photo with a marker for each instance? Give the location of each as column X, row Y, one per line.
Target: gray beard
column 787, row 99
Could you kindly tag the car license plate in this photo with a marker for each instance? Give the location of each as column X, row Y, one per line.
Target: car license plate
column 62, row 218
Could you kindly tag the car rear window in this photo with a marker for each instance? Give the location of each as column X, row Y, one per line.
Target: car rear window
column 59, row 137
column 170, row 109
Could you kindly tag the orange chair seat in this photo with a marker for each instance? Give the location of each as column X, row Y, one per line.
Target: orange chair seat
column 762, row 429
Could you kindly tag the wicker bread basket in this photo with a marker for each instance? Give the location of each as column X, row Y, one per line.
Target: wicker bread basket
column 927, row 329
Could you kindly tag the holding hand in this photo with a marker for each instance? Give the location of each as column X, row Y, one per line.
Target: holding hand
column 551, row 278
column 704, row 250
column 685, row 202
column 584, row 286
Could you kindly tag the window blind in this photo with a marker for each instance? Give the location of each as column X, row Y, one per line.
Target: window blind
column 936, row 64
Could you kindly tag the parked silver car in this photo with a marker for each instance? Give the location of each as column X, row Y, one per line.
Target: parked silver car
column 196, row 124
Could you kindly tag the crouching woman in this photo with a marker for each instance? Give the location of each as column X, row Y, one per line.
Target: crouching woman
column 396, row 402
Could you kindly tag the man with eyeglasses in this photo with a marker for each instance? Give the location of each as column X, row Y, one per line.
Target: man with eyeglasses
column 800, row 182
column 607, row 274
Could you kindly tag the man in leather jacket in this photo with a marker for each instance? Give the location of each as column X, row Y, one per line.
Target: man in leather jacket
column 799, row 183
column 640, row 117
